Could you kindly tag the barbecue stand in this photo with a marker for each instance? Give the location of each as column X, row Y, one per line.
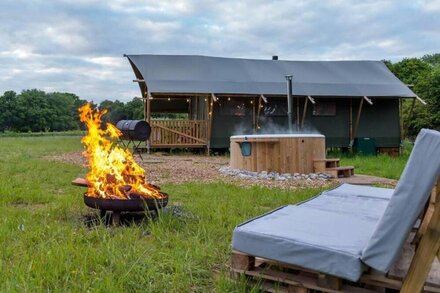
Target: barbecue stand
column 135, row 146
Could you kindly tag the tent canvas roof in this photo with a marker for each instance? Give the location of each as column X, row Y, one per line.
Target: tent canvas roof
column 203, row 74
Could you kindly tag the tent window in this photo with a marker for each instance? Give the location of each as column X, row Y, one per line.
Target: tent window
column 324, row 109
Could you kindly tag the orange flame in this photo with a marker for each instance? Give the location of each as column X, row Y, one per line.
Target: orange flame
column 113, row 172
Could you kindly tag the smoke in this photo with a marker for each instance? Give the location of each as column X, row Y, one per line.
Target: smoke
column 269, row 126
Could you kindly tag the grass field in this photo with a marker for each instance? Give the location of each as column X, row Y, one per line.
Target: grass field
column 380, row 165
column 48, row 246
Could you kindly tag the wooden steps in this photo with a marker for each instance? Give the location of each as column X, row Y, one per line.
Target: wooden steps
column 333, row 168
column 340, row 172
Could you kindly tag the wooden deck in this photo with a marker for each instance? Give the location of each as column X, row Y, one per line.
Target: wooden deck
column 179, row 133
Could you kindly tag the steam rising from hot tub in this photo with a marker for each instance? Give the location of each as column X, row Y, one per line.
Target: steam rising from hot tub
column 267, row 126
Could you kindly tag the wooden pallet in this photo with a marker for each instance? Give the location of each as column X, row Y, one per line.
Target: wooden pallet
column 280, row 277
column 273, row 276
column 412, row 272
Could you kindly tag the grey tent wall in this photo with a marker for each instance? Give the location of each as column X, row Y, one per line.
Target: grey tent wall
column 379, row 121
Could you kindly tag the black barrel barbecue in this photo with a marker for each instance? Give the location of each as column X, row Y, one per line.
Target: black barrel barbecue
column 134, row 130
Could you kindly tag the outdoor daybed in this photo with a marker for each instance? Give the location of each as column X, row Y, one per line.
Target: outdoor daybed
column 349, row 231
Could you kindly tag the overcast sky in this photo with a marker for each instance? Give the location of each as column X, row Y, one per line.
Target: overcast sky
column 77, row 45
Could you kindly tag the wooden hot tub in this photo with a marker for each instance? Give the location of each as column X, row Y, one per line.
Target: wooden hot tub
column 282, row 153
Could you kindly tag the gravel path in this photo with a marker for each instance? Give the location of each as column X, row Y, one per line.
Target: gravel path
column 164, row 168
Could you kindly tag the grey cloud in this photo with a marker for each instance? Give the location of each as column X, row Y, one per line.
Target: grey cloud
column 77, row 45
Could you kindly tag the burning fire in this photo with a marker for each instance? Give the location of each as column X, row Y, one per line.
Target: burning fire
column 113, row 172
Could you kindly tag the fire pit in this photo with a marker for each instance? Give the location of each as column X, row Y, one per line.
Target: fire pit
column 115, row 182
column 282, row 153
column 124, row 205
column 117, row 206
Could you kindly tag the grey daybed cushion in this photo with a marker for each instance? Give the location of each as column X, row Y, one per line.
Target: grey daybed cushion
column 407, row 202
column 327, row 233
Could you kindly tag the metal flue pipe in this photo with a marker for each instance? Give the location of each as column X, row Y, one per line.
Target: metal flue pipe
column 289, row 103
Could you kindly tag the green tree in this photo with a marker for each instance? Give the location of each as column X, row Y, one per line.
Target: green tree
column 432, row 59
column 409, row 70
column 135, row 109
column 35, row 110
column 116, row 111
column 429, row 88
column 64, row 111
column 423, row 75
column 7, row 110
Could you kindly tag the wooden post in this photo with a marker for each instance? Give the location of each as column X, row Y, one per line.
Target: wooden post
column 350, row 121
column 297, row 113
column 254, row 116
column 304, row 112
column 144, row 99
column 149, row 97
column 401, row 120
column 190, row 114
column 411, row 112
column 358, row 117
column 196, row 108
column 259, row 111
column 426, row 251
column 147, row 115
column 209, row 107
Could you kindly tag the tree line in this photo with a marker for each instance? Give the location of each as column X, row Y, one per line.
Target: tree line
column 423, row 77
column 38, row 111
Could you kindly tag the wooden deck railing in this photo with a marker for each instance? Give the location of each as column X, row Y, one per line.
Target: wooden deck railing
column 179, row 133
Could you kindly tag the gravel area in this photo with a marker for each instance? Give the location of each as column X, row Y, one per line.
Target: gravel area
column 163, row 168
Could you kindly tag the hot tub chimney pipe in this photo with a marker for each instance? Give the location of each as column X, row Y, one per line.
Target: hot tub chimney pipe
column 289, row 103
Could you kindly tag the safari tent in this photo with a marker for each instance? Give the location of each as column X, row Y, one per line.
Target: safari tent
column 217, row 97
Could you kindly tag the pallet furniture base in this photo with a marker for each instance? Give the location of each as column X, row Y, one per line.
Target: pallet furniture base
column 280, row 277
column 410, row 274
column 274, row 276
